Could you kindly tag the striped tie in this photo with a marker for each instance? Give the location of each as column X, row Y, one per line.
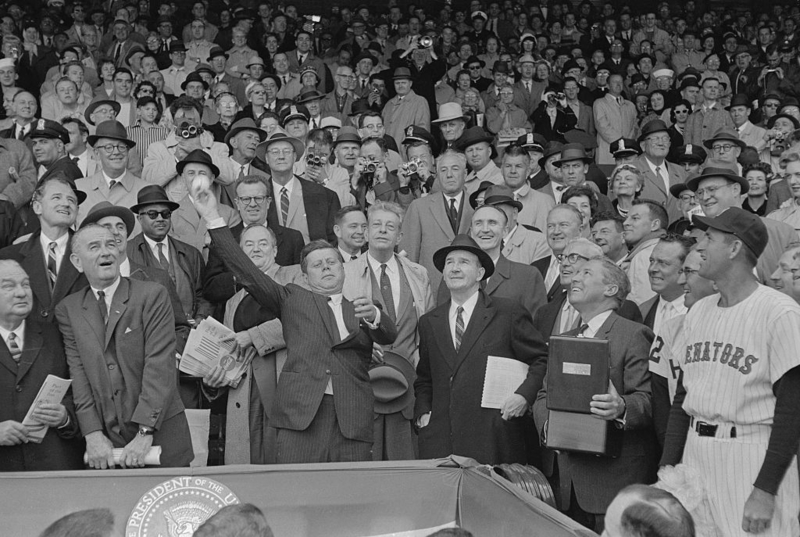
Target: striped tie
column 13, row 347
column 284, row 205
column 459, row 326
column 162, row 259
column 52, row 266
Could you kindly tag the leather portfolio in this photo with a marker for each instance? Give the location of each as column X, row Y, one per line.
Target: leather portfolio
column 577, row 369
column 583, row 433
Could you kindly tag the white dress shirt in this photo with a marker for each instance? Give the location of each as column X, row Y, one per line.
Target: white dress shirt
column 154, row 246
column 19, row 334
column 466, row 315
column 109, row 293
column 335, row 303
column 594, row 324
column 393, row 272
column 61, row 247
column 277, row 188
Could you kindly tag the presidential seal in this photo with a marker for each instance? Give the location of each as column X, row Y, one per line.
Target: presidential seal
column 176, row 508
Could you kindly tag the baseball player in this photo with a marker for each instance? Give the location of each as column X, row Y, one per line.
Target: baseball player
column 665, row 369
column 736, row 416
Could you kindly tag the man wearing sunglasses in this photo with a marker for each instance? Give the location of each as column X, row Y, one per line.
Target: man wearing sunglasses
column 113, row 181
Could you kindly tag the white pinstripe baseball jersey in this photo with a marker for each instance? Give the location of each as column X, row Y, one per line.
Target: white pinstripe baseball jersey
column 732, row 356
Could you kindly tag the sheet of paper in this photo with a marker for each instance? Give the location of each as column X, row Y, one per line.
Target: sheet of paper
column 212, row 343
column 151, row 458
column 503, row 377
column 52, row 392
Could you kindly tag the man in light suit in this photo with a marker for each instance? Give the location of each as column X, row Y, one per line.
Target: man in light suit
column 434, row 221
column 120, row 341
column 323, row 406
column 521, row 244
column 659, row 175
column 740, row 108
column 456, row 340
column 534, row 205
column 614, row 118
column 521, row 283
column 113, row 182
column 30, row 352
column 298, row 204
column 403, row 289
column 45, row 255
column 586, row 484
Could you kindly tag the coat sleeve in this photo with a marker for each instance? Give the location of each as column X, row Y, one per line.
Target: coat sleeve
column 158, row 375
column 19, row 192
column 602, row 121
column 159, row 165
column 423, row 385
column 529, row 346
column 636, row 378
column 412, row 232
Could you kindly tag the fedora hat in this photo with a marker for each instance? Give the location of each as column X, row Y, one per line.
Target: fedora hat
column 679, row 188
column 111, row 129
column 500, row 67
column 474, row 135
column 134, row 50
column 308, row 96
column 348, row 134
column 729, row 135
column 106, row 208
column 552, row 148
column 465, row 243
column 473, row 198
column 281, row 136
column 255, row 60
column 652, row 127
column 365, row 56
column 177, row 46
column 204, row 68
column 245, row 124
column 330, row 122
column 450, row 111
column 740, row 99
column 501, row 195
column 80, row 194
column 572, row 152
column 215, row 51
column 152, row 194
column 402, row 73
column 194, row 76
column 392, row 383
column 475, row 59
column 97, row 103
column 198, row 156
column 711, row 172
column 359, row 107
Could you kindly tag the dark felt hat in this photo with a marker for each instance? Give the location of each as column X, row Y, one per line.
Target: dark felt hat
column 392, row 383
column 466, row 243
column 111, row 129
column 106, row 208
column 198, row 156
column 245, row 124
column 152, row 194
column 744, row 225
column 712, row 172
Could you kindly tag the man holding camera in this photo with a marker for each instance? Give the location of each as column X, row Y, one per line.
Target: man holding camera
column 371, row 178
column 188, row 135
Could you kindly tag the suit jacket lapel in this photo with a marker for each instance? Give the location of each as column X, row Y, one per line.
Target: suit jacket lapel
column 501, row 273
column 35, row 267
column 295, row 205
column 30, row 350
column 92, row 314
column 441, row 322
column 439, row 214
column 67, row 274
column 327, row 316
column 118, row 306
column 481, row 316
column 606, row 327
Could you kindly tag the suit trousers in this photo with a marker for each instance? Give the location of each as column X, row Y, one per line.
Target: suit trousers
column 176, row 442
column 322, row 441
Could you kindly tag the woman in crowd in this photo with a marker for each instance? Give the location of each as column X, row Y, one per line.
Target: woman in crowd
column 627, row 183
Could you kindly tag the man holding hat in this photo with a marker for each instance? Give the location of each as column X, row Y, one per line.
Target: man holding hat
column 113, row 182
column 49, row 149
column 737, row 399
column 721, row 188
column 406, row 108
column 452, row 122
column 466, row 330
column 302, row 205
column 659, row 175
column 741, row 107
column 403, row 290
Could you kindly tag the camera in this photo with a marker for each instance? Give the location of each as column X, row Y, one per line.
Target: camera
column 370, row 167
column 426, row 42
column 314, row 18
column 187, row 131
column 412, row 166
column 314, row 160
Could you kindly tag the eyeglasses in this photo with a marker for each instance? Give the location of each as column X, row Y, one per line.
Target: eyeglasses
column 259, row 92
column 276, row 152
column 722, row 148
column 506, row 93
column 688, row 197
column 681, row 111
column 688, row 272
column 153, row 215
column 109, row 148
column 247, row 200
column 711, row 190
column 659, row 139
column 572, row 258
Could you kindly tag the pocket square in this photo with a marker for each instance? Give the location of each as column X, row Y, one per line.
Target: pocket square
column 128, row 330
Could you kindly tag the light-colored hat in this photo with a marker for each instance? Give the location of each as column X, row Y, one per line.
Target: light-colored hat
column 255, row 60
column 5, row 63
column 449, row 111
column 526, row 58
column 330, row 121
column 664, row 72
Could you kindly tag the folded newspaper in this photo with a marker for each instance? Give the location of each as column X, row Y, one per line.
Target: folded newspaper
column 151, row 458
column 210, row 344
column 52, row 392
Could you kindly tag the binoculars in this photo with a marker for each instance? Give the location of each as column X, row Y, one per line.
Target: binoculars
column 187, row 131
column 315, row 160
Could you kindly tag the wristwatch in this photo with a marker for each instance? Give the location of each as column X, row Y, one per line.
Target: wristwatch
column 146, row 431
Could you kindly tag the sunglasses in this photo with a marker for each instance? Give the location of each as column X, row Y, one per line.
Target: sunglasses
column 153, row 215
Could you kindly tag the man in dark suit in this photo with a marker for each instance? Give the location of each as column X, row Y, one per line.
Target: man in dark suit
column 32, row 350
column 120, row 341
column 323, row 408
column 586, row 484
column 301, row 205
column 253, row 202
column 456, row 340
column 45, row 255
column 564, row 223
column 521, row 283
column 49, row 149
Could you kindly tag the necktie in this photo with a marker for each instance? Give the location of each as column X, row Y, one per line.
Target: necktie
column 386, row 292
column 619, row 101
column 661, row 176
column 459, row 326
column 101, row 303
column 162, row 259
column 20, row 132
column 313, row 123
column 111, row 184
column 301, row 59
column 363, row 84
column 453, row 215
column 285, row 80
column 52, row 266
column 13, row 347
column 117, row 52
column 528, row 86
column 582, row 330
column 353, row 257
column 241, row 171
column 285, row 205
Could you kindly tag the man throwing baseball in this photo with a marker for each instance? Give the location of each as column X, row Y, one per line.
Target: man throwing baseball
column 736, row 416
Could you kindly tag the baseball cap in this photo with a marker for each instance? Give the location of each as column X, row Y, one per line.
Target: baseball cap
column 742, row 224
